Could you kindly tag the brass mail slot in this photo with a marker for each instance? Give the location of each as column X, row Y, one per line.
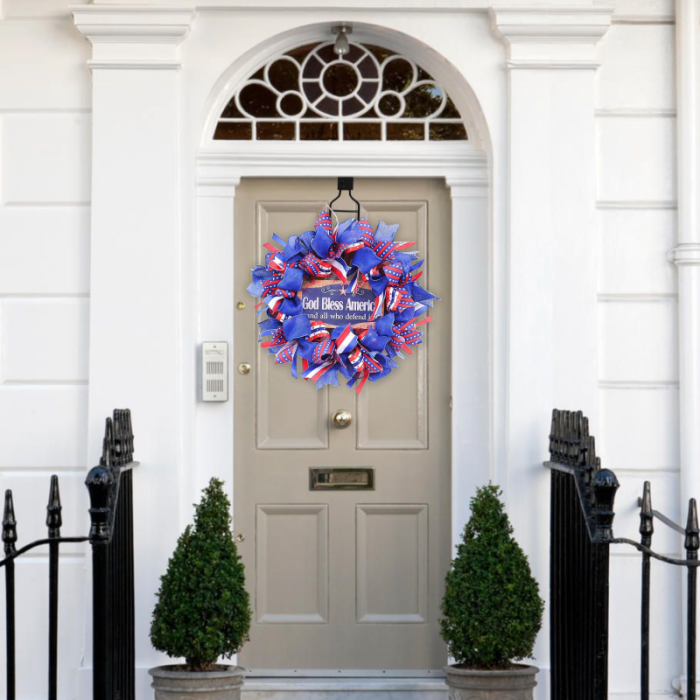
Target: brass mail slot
column 351, row 479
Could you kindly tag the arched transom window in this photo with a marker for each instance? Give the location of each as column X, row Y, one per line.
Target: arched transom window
column 368, row 94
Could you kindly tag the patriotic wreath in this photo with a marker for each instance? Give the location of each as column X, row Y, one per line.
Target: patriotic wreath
column 354, row 325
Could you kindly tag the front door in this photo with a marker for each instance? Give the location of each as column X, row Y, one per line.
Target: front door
column 344, row 579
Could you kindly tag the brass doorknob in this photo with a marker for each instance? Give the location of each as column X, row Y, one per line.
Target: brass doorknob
column 244, row 368
column 342, row 418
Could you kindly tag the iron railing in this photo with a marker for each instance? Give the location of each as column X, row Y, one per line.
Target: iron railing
column 582, row 513
column 111, row 539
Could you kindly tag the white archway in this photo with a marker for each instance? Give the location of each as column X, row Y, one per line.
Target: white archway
column 429, row 58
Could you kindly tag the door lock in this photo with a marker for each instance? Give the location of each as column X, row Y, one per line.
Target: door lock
column 342, row 418
column 244, row 368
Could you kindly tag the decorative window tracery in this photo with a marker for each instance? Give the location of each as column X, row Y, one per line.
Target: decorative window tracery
column 368, row 94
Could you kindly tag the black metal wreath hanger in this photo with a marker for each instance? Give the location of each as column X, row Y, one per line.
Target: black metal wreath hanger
column 346, row 184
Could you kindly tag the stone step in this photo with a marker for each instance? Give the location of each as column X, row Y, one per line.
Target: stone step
column 344, row 689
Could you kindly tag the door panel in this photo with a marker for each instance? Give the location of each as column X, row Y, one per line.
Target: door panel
column 408, row 427
column 292, row 561
column 344, row 580
column 407, row 403
column 392, row 563
column 278, row 428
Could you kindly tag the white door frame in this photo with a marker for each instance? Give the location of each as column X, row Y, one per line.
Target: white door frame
column 465, row 171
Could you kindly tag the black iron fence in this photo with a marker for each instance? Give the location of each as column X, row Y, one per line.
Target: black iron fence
column 111, row 538
column 582, row 513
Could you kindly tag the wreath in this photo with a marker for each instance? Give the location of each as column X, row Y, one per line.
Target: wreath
column 354, row 325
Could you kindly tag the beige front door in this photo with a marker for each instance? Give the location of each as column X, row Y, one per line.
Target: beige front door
column 344, row 579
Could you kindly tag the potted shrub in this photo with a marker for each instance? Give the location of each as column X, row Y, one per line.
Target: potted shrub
column 203, row 608
column 492, row 608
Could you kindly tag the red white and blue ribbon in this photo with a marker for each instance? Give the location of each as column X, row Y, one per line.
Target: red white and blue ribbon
column 356, row 254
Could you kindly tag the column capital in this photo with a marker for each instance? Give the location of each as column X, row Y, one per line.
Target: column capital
column 467, row 187
column 550, row 38
column 142, row 37
column 223, row 187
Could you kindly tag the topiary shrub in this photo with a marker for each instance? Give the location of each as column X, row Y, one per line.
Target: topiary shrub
column 492, row 608
column 203, row 608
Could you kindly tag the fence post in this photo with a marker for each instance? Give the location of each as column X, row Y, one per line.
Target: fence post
column 692, row 545
column 9, row 538
column 646, row 530
column 99, row 483
column 53, row 523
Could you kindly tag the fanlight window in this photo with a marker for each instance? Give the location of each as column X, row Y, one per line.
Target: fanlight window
column 369, row 94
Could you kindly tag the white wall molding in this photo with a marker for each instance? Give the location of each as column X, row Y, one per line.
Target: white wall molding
column 551, row 64
column 643, row 19
column 638, row 385
column 635, row 204
column 134, row 37
column 635, row 113
column 639, row 298
column 114, row 64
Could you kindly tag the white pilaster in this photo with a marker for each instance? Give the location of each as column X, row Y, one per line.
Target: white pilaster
column 552, row 306
column 686, row 254
column 216, row 306
column 471, row 346
column 136, row 308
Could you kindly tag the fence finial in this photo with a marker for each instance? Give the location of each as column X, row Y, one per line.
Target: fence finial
column 553, row 436
column 118, row 442
column 692, row 531
column 130, row 434
column 53, row 509
column 605, row 485
column 99, row 483
column 646, row 515
column 9, row 524
column 107, row 444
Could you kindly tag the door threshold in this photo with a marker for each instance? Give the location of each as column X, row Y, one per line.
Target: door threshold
column 373, row 688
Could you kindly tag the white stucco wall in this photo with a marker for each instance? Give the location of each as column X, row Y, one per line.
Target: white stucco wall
column 44, row 297
column 45, row 192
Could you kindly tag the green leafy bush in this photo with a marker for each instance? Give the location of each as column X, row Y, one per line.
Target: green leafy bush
column 492, row 608
column 203, row 608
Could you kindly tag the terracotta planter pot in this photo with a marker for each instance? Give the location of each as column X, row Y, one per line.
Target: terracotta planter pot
column 516, row 683
column 174, row 683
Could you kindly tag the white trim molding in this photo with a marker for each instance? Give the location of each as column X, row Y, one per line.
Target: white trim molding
column 465, row 170
column 551, row 38
column 461, row 161
column 685, row 254
column 134, row 37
